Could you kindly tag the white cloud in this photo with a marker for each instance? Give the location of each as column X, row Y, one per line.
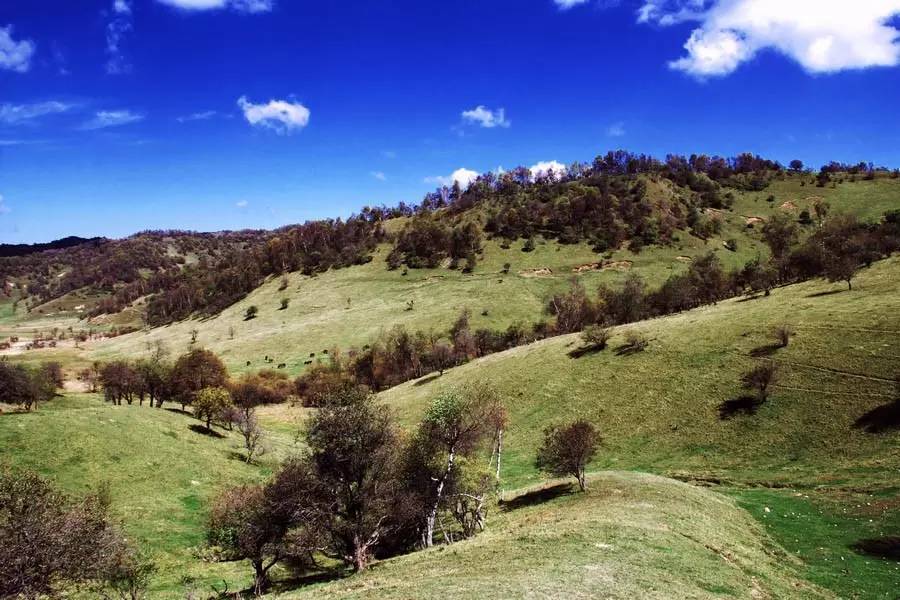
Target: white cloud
column 463, row 176
column 543, row 169
column 14, row 56
column 245, row 6
column 112, row 118
column 485, row 117
column 617, row 129
column 116, row 30
column 4, row 209
column 242, row 204
column 279, row 115
column 14, row 114
column 567, row 4
column 198, row 116
column 380, row 176
column 823, row 37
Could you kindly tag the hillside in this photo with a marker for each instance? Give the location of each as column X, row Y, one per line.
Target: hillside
column 348, row 307
column 630, row 536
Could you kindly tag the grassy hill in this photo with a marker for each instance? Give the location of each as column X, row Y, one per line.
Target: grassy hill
column 659, row 411
column 348, row 307
column 630, row 536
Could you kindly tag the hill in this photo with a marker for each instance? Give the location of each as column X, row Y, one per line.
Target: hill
column 633, row 535
column 10, row 250
column 630, row 536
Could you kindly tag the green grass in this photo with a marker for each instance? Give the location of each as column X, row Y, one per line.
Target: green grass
column 161, row 474
column 630, row 536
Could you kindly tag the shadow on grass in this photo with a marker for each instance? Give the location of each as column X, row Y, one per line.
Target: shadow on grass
column 629, row 349
column 825, row 293
column 749, row 298
column 880, row 419
column 585, row 350
column 767, row 350
column 747, row 405
column 202, row 430
column 179, row 411
column 428, row 379
column 883, row 547
column 537, row 496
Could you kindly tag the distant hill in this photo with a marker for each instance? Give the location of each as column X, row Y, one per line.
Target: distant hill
column 11, row 250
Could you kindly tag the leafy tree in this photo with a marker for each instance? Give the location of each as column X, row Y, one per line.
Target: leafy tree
column 442, row 356
column 251, row 313
column 194, row 371
column 268, row 523
column 353, row 451
column 457, row 425
column 285, row 302
column 796, row 165
column 568, row 449
column 49, row 539
column 15, row 385
column 210, row 403
column 780, row 233
column 782, row 334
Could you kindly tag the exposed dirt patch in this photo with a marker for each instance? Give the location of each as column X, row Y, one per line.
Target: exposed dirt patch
column 542, row 272
column 606, row 265
column 788, row 206
column 684, row 259
column 753, row 220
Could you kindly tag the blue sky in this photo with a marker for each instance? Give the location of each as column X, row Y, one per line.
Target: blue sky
column 123, row 115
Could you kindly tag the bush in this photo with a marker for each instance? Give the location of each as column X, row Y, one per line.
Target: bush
column 635, row 341
column 760, row 379
column 251, row 313
column 782, row 334
column 285, row 302
column 596, row 336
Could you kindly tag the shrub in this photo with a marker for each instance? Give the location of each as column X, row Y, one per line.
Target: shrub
column 760, row 379
column 251, row 313
column 211, row 403
column 285, row 302
column 596, row 336
column 636, row 341
column 568, row 449
column 782, row 334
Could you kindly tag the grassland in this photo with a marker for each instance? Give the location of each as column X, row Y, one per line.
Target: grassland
column 631, row 536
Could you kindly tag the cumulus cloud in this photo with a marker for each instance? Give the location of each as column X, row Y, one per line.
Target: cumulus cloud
column 4, row 209
column 544, row 168
column 245, row 6
column 111, row 118
column 567, row 4
column 463, row 176
column 617, row 129
column 242, row 204
column 16, row 114
column 485, row 117
column 281, row 116
column 379, row 175
column 14, row 56
column 823, row 37
column 116, row 30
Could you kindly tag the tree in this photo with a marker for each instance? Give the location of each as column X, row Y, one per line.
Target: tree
column 796, row 165
column 15, row 385
column 442, row 356
column 353, row 451
column 760, row 379
column 568, row 449
column 457, row 425
column 843, row 248
column 268, row 523
column 210, row 403
column 285, row 302
column 248, row 427
column 780, row 233
column 194, row 371
column 49, row 539
column 251, row 313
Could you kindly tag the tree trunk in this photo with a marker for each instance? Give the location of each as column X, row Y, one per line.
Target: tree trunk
column 261, row 578
column 428, row 535
column 582, row 480
column 499, row 450
column 849, row 285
